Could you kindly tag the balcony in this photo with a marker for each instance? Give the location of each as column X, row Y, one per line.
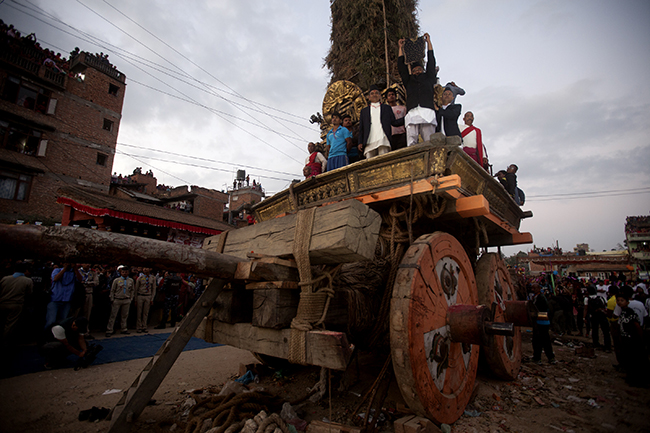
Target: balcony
column 46, row 73
column 83, row 59
column 635, row 237
column 641, row 255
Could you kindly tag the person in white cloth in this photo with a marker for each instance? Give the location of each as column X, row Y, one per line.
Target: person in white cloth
column 375, row 126
column 472, row 139
column 420, row 115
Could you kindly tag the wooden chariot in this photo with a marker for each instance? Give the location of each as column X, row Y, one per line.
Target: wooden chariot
column 386, row 247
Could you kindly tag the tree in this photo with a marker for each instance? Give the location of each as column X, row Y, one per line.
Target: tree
column 358, row 50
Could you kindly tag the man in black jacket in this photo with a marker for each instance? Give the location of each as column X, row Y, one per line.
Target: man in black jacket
column 447, row 115
column 420, row 115
column 375, row 125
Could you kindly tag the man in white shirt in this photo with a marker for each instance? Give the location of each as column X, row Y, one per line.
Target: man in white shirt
column 375, row 126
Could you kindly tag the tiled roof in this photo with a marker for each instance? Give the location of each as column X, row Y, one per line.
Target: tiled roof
column 98, row 200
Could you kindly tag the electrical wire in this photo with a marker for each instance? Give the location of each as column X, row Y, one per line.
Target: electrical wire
column 204, row 159
column 168, row 61
column 189, row 164
column 183, row 56
column 98, row 42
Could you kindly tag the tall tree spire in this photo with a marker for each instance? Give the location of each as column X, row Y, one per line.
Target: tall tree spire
column 358, row 38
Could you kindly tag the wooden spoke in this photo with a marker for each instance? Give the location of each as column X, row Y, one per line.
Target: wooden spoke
column 503, row 355
column 436, row 376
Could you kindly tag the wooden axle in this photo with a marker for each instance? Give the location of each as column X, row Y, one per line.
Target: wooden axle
column 472, row 324
column 519, row 312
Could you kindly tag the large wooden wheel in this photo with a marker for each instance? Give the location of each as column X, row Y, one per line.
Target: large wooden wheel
column 436, row 376
column 503, row 354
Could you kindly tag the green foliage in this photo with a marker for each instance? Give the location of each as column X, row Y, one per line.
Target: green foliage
column 357, row 53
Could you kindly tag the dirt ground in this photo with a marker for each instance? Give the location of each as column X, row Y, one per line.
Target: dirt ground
column 576, row 395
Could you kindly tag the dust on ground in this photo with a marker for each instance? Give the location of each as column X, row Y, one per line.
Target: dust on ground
column 575, row 395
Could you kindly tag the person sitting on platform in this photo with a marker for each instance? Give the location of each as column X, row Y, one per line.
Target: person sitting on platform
column 420, row 115
column 515, row 192
column 339, row 141
column 375, row 126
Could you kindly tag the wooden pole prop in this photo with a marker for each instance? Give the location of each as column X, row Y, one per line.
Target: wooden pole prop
column 136, row 398
column 85, row 245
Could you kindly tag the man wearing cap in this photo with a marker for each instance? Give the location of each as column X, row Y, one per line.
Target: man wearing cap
column 420, row 115
column 398, row 139
column 375, row 126
column 447, row 115
column 145, row 288
column 64, row 339
column 121, row 296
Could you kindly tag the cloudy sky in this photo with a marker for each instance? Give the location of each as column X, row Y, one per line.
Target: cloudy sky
column 559, row 88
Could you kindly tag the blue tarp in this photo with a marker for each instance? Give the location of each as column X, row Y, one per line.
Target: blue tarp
column 26, row 359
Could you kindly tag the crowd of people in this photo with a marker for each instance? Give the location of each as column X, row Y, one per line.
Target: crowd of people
column 28, row 47
column 47, row 303
column 614, row 308
column 386, row 126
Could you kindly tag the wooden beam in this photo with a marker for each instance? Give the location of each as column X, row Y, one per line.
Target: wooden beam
column 136, row 398
column 272, row 285
column 448, row 186
column 342, row 232
column 510, row 239
column 472, row 206
column 258, row 271
column 503, row 224
column 419, row 187
column 324, row 348
column 79, row 245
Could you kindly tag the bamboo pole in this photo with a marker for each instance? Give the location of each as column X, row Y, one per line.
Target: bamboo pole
column 383, row 4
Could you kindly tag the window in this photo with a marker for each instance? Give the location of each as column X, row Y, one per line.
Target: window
column 101, row 159
column 20, row 139
column 108, row 125
column 113, row 89
column 26, row 94
column 14, row 186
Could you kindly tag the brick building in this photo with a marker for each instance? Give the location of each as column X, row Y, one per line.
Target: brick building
column 59, row 121
column 137, row 205
column 581, row 264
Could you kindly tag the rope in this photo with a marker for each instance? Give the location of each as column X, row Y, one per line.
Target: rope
column 272, row 422
column 313, row 305
column 292, row 197
column 227, row 411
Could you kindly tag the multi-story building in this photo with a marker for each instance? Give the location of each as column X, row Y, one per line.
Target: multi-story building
column 59, row 121
column 243, row 196
column 137, row 205
column 637, row 235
